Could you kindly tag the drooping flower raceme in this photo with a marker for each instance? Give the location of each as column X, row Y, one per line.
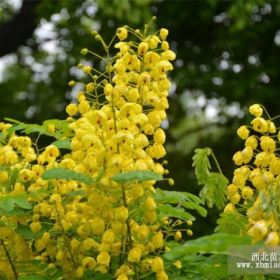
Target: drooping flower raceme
column 255, row 183
column 104, row 226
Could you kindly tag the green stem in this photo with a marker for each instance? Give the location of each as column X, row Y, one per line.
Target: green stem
column 66, row 239
column 129, row 243
column 216, row 162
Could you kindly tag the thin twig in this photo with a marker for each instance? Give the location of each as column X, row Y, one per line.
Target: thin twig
column 9, row 259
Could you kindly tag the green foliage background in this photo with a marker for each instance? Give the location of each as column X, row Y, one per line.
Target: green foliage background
column 227, row 59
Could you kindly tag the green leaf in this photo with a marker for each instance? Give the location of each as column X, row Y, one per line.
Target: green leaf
column 25, row 232
column 201, row 164
column 201, row 267
column 214, row 190
column 140, row 176
column 217, row 243
column 22, row 202
column 185, row 199
column 167, row 210
column 233, row 223
column 12, row 120
column 9, row 203
column 67, row 174
column 62, row 144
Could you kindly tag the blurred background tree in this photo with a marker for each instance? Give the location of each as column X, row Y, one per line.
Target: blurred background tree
column 227, row 58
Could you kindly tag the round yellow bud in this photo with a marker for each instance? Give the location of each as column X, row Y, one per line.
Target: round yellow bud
column 103, row 258
column 87, row 69
column 71, row 83
column 84, row 51
column 122, row 33
column 163, row 33
column 71, row 109
column 243, row 132
column 256, row 110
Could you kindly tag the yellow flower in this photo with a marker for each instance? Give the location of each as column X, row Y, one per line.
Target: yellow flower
column 177, row 264
column 268, row 144
column 121, row 214
column 243, row 132
column 134, row 255
column 258, row 230
column 157, row 264
column 247, row 193
column 272, row 239
column 88, row 263
column 256, row 110
column 163, row 33
column 143, row 47
column 260, row 125
column 103, row 258
column 122, row 33
column 35, row 227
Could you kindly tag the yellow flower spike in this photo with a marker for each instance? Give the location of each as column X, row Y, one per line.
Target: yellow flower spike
column 161, row 275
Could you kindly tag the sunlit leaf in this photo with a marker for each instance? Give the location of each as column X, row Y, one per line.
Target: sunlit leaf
column 67, row 174
column 138, row 176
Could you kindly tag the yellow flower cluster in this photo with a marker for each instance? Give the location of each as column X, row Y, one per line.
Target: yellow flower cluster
column 256, row 181
column 105, row 227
